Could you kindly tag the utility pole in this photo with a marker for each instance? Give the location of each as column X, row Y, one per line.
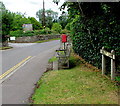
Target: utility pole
column 43, row 14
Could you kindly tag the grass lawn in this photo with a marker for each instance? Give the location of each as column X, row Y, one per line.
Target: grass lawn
column 47, row 40
column 78, row 85
column 4, row 48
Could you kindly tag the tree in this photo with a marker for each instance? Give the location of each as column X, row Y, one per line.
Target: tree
column 50, row 17
column 35, row 23
column 7, row 19
column 56, row 1
column 57, row 27
column 63, row 19
column 39, row 15
column 2, row 6
column 19, row 20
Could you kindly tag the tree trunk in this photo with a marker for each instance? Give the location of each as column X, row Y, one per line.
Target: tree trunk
column 5, row 44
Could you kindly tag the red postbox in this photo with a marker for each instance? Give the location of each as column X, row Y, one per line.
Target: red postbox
column 64, row 38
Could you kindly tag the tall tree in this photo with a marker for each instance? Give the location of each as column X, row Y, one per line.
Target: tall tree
column 63, row 19
column 2, row 6
column 7, row 19
column 50, row 17
column 19, row 20
column 56, row 1
column 36, row 25
column 39, row 15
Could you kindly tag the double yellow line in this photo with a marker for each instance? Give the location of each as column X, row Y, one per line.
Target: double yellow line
column 15, row 67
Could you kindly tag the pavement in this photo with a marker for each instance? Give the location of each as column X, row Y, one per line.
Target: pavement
column 28, row 63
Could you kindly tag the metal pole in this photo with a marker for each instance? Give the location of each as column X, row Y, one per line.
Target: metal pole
column 64, row 45
column 43, row 14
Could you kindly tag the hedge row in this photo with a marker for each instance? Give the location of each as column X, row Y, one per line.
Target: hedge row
column 90, row 35
column 20, row 33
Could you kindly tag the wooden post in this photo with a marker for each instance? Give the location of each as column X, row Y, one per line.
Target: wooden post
column 113, row 66
column 103, row 63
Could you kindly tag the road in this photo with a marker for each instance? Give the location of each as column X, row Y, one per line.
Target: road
column 24, row 65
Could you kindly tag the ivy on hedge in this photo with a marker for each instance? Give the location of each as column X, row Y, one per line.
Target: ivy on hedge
column 89, row 35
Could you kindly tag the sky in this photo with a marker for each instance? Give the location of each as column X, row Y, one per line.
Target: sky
column 30, row 7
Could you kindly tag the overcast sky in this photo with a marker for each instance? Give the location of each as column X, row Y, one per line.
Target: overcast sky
column 30, row 7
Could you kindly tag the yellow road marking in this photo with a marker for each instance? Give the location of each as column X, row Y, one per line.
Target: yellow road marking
column 13, row 68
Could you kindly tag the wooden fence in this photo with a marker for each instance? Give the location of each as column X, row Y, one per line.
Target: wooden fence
column 112, row 57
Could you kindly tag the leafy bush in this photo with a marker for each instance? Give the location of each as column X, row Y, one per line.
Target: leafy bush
column 37, row 32
column 90, row 35
column 17, row 33
column 28, row 33
column 20, row 33
column 57, row 27
column 64, row 31
column 74, row 61
column 54, row 32
column 52, row 59
column 43, row 31
column 47, row 30
column 67, row 26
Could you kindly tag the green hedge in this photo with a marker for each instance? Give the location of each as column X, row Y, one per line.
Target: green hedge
column 90, row 35
column 20, row 33
column 17, row 33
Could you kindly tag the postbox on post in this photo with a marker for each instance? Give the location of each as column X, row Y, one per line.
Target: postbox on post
column 64, row 38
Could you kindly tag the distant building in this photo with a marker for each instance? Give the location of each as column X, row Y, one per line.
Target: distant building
column 27, row 27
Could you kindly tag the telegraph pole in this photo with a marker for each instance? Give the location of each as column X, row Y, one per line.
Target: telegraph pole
column 43, row 14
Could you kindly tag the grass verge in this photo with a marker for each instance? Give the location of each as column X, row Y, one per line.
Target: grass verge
column 4, row 48
column 78, row 85
column 47, row 40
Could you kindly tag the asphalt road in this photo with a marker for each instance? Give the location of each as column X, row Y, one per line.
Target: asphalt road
column 17, row 88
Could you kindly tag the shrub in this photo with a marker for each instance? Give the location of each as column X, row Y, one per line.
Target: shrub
column 37, row 32
column 20, row 33
column 47, row 30
column 90, row 35
column 57, row 27
column 43, row 31
column 28, row 33
column 54, row 32
column 17, row 33
column 67, row 26
column 64, row 31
